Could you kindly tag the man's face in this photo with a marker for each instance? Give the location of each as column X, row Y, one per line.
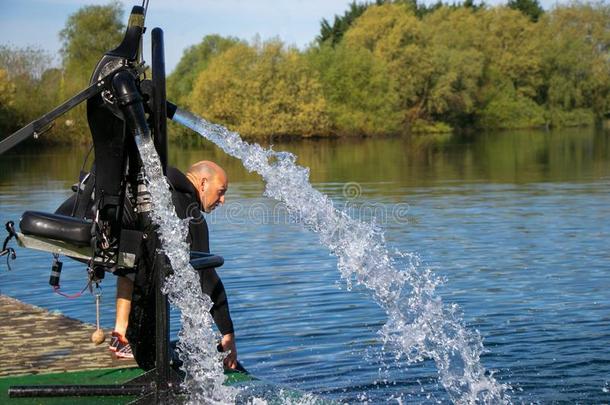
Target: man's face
column 212, row 192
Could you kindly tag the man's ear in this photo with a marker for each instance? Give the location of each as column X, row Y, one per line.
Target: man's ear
column 204, row 183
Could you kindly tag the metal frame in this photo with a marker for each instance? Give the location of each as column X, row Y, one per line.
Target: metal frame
column 160, row 384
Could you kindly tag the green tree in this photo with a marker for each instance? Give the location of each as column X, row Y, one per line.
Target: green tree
column 507, row 109
column 262, row 90
column 25, row 69
column 395, row 35
column 7, row 90
column 472, row 5
column 513, row 50
column 361, row 95
column 333, row 33
column 88, row 34
column 575, row 62
column 194, row 60
column 530, row 8
column 7, row 96
column 28, row 62
column 451, row 88
column 422, row 9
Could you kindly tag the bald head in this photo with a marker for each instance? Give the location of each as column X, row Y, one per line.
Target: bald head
column 207, row 169
column 211, row 183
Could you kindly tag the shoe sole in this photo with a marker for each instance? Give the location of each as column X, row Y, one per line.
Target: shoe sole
column 118, row 356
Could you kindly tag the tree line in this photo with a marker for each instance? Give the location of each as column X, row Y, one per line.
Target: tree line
column 381, row 68
column 31, row 84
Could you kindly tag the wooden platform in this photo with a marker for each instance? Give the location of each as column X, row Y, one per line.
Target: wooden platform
column 36, row 341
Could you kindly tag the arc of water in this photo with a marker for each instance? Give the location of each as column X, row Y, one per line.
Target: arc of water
column 419, row 324
column 197, row 341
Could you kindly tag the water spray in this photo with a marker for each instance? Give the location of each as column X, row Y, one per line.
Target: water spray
column 419, row 324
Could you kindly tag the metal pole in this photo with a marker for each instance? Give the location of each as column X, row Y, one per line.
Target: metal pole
column 28, row 391
column 159, row 102
column 162, row 334
column 160, row 139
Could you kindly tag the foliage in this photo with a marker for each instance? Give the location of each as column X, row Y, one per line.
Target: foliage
column 436, row 77
column 194, row 60
column 87, row 35
column 333, row 33
column 261, row 90
column 383, row 67
column 28, row 62
column 578, row 117
column 393, row 34
column 530, row 8
column 7, row 97
column 7, row 90
column 509, row 110
column 24, row 79
column 575, row 61
column 361, row 96
column 452, row 87
column 471, row 5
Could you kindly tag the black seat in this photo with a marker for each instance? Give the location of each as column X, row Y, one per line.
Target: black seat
column 202, row 260
column 58, row 227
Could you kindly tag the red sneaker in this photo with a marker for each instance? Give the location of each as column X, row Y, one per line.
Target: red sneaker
column 120, row 346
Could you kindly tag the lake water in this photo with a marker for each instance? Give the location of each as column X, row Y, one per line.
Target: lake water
column 516, row 223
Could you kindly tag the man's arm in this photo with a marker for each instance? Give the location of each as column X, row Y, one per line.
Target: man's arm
column 212, row 286
column 228, row 346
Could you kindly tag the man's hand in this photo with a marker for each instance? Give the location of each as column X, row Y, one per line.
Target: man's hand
column 228, row 346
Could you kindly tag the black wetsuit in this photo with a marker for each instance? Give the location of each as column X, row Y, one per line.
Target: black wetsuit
column 141, row 329
column 184, row 197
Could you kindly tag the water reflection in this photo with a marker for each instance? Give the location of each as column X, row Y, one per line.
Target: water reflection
column 499, row 157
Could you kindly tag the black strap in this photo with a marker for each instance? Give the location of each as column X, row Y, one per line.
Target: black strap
column 9, row 251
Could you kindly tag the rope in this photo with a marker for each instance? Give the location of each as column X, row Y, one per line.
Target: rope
column 8, row 251
column 56, row 290
column 97, row 310
column 10, row 254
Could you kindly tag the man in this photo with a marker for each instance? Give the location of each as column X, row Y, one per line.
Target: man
column 203, row 188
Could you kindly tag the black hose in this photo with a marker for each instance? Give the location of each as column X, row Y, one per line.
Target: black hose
column 131, row 103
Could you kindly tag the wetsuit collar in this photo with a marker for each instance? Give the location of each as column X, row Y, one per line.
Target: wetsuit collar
column 181, row 183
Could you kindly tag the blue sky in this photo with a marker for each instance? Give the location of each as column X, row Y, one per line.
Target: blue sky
column 185, row 22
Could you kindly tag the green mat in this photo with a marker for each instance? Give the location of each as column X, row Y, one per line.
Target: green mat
column 104, row 376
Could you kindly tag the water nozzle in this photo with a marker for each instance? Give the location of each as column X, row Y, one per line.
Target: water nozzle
column 131, row 103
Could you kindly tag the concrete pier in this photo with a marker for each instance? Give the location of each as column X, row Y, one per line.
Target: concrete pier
column 36, row 341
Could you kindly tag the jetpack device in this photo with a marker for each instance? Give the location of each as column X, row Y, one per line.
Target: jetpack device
column 121, row 106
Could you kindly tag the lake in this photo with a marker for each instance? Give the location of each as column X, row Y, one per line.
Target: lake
column 515, row 222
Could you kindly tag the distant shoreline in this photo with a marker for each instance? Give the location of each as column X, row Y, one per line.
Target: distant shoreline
column 193, row 138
